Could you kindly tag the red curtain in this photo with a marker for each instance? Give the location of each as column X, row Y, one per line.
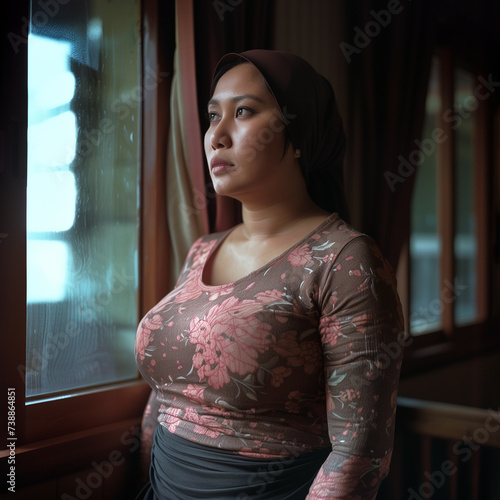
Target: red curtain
column 387, row 59
column 222, row 27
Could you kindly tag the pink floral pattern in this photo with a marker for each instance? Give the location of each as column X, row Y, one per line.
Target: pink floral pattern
column 143, row 336
column 169, row 417
column 345, row 481
column 229, row 338
column 284, row 361
column 206, row 425
column 300, row 256
column 194, row 393
column 190, row 291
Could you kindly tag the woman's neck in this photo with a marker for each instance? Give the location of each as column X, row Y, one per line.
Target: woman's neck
column 277, row 219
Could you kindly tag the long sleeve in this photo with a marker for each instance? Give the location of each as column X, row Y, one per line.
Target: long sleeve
column 361, row 330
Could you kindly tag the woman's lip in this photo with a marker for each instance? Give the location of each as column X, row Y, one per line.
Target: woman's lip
column 219, row 166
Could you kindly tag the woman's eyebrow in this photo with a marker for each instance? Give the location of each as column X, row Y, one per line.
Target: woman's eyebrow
column 237, row 98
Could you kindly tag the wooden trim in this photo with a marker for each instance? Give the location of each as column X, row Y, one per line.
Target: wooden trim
column 446, row 187
column 49, row 459
column 482, row 157
column 453, row 479
column 448, row 421
column 13, row 177
column 154, row 242
column 403, row 281
column 62, row 416
column 435, row 349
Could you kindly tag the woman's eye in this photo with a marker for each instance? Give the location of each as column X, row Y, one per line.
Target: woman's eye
column 212, row 116
column 242, row 111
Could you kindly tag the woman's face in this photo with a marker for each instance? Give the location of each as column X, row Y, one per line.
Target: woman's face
column 245, row 140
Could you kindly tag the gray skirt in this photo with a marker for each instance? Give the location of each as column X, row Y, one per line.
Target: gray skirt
column 183, row 470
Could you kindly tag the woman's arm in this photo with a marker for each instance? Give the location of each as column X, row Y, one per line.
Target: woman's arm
column 362, row 337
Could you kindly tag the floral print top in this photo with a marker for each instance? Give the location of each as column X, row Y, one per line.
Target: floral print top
column 301, row 354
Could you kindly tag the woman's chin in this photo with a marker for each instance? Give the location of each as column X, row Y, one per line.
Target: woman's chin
column 224, row 189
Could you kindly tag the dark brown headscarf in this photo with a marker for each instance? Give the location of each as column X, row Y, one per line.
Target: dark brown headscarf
column 310, row 113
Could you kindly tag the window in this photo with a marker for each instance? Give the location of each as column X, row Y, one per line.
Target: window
column 465, row 240
column 82, row 196
column 448, row 222
column 425, row 241
column 73, row 224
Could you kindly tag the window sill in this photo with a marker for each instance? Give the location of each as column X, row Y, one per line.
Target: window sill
column 66, row 415
column 433, row 350
column 72, row 434
column 103, row 447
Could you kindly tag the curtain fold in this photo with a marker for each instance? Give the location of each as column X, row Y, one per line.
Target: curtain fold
column 186, row 204
column 387, row 82
column 187, row 207
column 222, row 27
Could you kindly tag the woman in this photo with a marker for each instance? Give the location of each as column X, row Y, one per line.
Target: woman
column 267, row 360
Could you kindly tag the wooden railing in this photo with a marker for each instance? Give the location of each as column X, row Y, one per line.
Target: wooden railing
column 444, row 452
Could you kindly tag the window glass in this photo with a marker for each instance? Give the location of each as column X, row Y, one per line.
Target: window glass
column 465, row 237
column 82, row 196
column 425, row 242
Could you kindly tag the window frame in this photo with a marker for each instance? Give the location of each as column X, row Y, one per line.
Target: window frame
column 453, row 342
column 90, row 420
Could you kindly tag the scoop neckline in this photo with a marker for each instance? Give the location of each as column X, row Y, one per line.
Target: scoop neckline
column 269, row 264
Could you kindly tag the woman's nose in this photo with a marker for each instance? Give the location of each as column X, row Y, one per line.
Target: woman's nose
column 220, row 135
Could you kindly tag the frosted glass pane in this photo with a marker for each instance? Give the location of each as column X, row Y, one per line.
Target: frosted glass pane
column 51, row 200
column 82, row 195
column 465, row 237
column 47, row 270
column 52, row 141
column 425, row 241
